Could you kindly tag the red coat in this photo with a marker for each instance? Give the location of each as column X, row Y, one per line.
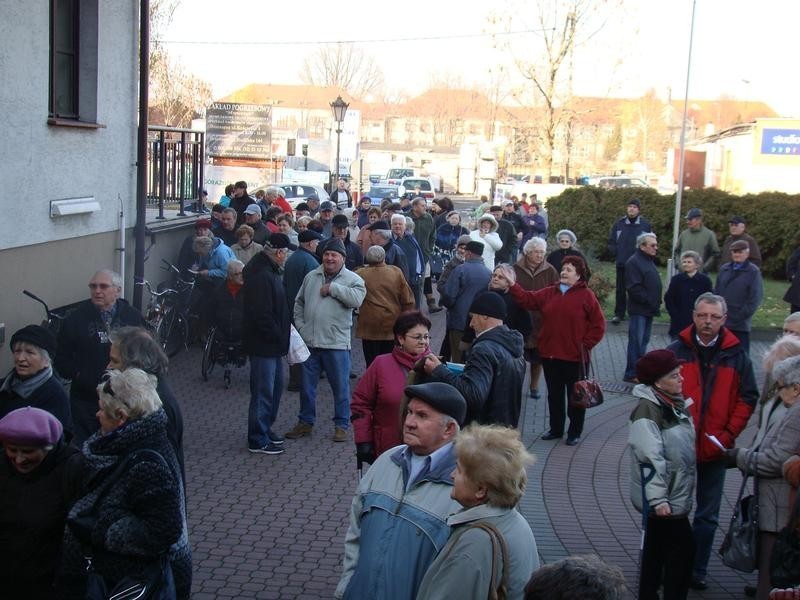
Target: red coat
column 569, row 320
column 377, row 398
column 723, row 402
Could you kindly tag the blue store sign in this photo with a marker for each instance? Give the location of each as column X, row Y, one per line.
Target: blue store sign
column 780, row 141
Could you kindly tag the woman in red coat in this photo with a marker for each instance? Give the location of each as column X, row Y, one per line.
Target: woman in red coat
column 572, row 324
column 375, row 406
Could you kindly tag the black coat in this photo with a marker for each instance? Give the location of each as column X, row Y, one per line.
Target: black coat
column 643, row 285
column 227, row 311
column 266, row 324
column 174, row 421
column 622, row 239
column 33, row 509
column 792, row 295
column 50, row 396
column 679, row 299
column 508, row 235
column 557, row 256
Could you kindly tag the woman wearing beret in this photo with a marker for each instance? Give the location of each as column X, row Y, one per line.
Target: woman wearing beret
column 572, row 324
column 661, row 441
column 39, row 480
column 129, row 527
column 567, row 246
column 32, row 381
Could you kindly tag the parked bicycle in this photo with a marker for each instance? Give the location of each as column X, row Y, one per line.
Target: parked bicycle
column 52, row 320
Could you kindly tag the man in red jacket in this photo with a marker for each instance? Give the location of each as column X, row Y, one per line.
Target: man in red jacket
column 720, row 390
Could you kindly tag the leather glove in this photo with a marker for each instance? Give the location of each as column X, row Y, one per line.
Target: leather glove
column 365, row 452
column 729, row 456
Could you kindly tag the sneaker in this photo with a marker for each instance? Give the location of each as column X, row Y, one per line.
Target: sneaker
column 299, row 430
column 616, row 320
column 340, row 435
column 274, row 438
column 270, row 448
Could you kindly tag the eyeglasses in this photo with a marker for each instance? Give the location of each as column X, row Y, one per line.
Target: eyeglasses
column 707, row 316
column 420, row 337
column 99, row 286
column 107, row 388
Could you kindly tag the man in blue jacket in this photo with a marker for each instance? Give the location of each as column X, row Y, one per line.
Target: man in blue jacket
column 739, row 282
column 643, row 285
column 622, row 245
column 398, row 518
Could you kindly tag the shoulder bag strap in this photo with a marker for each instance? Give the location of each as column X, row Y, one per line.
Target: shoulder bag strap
column 496, row 590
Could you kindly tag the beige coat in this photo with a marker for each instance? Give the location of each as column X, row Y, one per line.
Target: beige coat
column 532, row 280
column 388, row 295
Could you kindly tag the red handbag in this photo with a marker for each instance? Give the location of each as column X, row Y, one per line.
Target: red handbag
column 586, row 393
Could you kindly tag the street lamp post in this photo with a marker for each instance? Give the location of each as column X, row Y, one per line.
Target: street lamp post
column 339, row 108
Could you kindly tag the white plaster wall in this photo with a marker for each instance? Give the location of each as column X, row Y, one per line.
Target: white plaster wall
column 39, row 162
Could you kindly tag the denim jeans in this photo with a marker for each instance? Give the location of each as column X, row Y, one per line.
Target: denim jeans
column 336, row 364
column 266, row 386
column 710, row 481
column 621, row 295
column 639, row 329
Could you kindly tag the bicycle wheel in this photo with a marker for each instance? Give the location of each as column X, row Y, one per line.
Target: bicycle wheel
column 209, row 360
column 172, row 333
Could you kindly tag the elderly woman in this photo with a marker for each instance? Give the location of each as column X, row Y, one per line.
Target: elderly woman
column 534, row 273
column 39, row 479
column 245, row 248
column 286, row 227
column 572, row 324
column 661, row 441
column 486, row 233
column 32, row 382
column 364, row 239
column 765, row 461
column 302, row 223
column 379, row 394
column 567, row 246
column 684, row 288
column 388, row 295
column 127, row 528
column 488, row 481
column 212, row 258
column 448, row 233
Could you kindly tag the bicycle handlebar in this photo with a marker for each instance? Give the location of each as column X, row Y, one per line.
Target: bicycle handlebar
column 146, row 283
column 50, row 314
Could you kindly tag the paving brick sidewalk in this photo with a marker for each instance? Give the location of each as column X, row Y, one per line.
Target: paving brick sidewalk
column 273, row 526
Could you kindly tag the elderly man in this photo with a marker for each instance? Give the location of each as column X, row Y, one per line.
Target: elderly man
column 388, row 295
column 416, row 262
column 425, row 234
column 381, row 235
column 622, row 245
column 462, row 285
column 491, row 382
column 737, row 226
column 252, row 217
column 398, row 518
column 718, row 377
column 325, row 216
column 739, row 282
column 135, row 348
column 340, row 230
column 84, row 343
column 643, row 285
column 265, row 339
column 227, row 232
column 323, row 314
column 699, row 238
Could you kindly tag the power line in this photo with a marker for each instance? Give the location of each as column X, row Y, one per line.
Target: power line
column 358, row 41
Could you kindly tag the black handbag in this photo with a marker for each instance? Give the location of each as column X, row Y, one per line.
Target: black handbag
column 784, row 564
column 586, row 393
column 437, row 260
column 739, row 549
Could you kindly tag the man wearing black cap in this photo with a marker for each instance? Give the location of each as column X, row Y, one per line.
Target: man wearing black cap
column 398, row 519
column 737, row 226
column 381, row 235
column 699, row 238
column 739, row 282
column 323, row 315
column 462, row 285
column 326, row 218
column 265, row 339
column 340, row 231
column 622, row 245
column 495, row 368
column 241, row 200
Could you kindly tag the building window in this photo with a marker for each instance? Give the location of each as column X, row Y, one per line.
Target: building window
column 64, row 25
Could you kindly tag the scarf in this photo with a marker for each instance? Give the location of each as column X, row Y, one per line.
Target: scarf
column 233, row 287
column 24, row 388
column 674, row 401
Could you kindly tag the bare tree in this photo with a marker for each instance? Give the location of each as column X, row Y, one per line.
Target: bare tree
column 343, row 66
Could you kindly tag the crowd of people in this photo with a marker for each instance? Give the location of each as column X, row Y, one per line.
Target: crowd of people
column 435, row 513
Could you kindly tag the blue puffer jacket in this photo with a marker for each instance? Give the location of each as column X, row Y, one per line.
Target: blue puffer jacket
column 395, row 534
column 217, row 260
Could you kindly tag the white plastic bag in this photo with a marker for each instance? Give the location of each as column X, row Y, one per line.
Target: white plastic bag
column 298, row 351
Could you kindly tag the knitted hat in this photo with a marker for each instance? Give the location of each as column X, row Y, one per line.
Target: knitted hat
column 635, row 201
column 655, row 364
column 441, row 396
column 30, row 426
column 475, row 247
column 38, row 336
column 567, row 233
column 489, row 304
column 335, row 245
column 202, row 224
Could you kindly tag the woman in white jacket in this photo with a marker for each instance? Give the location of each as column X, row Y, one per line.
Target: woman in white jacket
column 486, row 233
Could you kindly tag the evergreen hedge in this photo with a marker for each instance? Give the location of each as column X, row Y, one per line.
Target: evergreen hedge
column 773, row 218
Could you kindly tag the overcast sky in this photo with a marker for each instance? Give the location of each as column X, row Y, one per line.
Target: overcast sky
column 743, row 49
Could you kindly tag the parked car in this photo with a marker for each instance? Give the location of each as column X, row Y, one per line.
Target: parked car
column 620, row 182
column 298, row 192
column 395, row 176
column 378, row 192
column 426, row 189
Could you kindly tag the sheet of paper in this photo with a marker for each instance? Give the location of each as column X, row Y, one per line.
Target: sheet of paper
column 715, row 441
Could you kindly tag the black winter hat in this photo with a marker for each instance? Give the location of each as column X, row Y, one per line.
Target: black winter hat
column 489, row 304
column 340, row 221
column 37, row 336
column 441, row 396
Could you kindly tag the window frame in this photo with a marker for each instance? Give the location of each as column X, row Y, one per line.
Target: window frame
column 57, row 48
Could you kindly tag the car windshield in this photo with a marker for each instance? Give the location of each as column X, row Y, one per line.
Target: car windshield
column 422, row 184
column 398, row 173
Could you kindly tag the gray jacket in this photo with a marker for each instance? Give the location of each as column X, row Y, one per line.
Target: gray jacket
column 326, row 321
column 743, row 291
column 463, row 568
column 662, row 439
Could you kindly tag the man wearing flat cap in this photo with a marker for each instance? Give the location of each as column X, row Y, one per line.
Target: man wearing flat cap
column 737, row 226
column 495, row 368
column 398, row 518
column 699, row 238
column 739, row 282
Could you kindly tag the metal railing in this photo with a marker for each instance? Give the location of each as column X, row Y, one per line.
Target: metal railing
column 175, row 167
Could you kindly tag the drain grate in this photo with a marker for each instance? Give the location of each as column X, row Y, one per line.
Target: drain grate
column 616, row 388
